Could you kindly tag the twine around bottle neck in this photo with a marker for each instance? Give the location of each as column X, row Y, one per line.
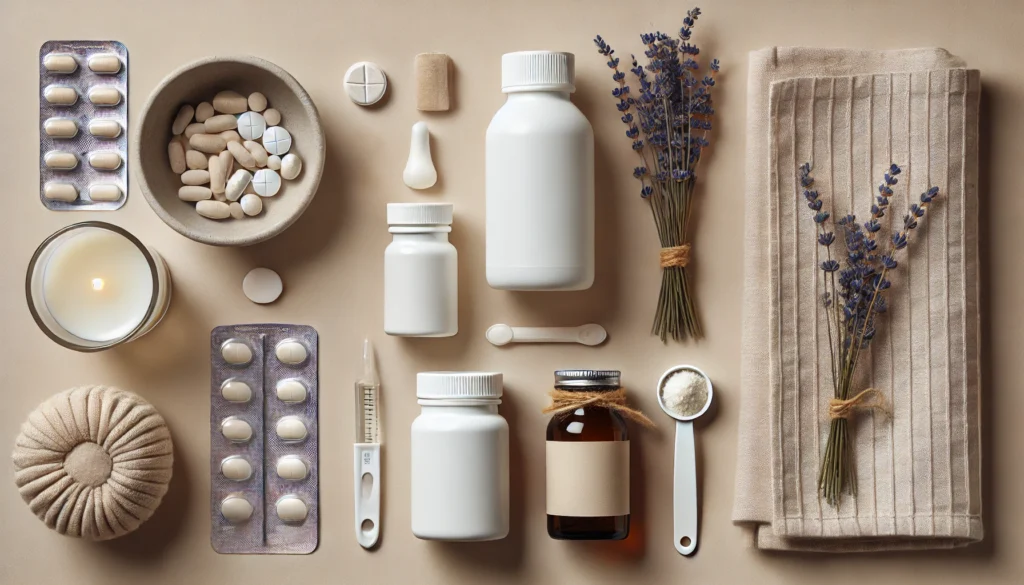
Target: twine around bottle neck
column 564, row 402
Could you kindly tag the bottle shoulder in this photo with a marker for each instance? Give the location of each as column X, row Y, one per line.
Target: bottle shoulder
column 539, row 115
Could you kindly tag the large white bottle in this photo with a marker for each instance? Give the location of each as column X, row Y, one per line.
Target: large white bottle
column 539, row 179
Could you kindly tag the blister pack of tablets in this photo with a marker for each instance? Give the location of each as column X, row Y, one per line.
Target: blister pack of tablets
column 264, row 481
column 83, row 125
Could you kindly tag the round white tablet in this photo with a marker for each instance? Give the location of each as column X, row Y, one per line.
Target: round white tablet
column 266, row 182
column 365, row 83
column 277, row 140
column 251, row 125
column 262, row 285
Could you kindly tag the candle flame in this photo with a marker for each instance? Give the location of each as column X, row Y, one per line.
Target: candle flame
column 97, row 284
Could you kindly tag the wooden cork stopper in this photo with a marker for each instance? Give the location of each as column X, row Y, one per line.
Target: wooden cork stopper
column 432, row 82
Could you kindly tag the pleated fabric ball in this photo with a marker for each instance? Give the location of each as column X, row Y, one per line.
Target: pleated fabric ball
column 93, row 462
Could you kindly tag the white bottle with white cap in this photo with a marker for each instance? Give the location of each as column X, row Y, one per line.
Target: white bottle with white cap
column 459, row 453
column 421, row 274
column 539, row 179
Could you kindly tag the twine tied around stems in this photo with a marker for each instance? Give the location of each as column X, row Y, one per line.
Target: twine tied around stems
column 870, row 399
column 675, row 256
column 564, row 401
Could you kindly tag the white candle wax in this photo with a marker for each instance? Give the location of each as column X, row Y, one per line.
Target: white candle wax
column 98, row 285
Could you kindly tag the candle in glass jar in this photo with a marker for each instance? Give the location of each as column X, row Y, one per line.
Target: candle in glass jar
column 98, row 285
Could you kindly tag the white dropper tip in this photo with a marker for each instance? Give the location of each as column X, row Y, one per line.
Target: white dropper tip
column 369, row 365
column 419, row 170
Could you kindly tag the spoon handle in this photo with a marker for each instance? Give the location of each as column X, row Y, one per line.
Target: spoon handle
column 545, row 334
column 685, row 490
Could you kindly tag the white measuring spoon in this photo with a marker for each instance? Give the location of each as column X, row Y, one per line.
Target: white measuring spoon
column 684, row 490
column 591, row 334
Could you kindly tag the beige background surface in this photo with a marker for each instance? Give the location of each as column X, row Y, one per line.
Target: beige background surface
column 331, row 263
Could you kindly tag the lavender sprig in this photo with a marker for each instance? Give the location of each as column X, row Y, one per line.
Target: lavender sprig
column 668, row 115
column 856, row 282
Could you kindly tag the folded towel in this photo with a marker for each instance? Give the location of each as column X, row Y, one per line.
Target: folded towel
column 851, row 113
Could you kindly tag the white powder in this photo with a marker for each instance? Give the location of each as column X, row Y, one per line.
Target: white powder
column 685, row 392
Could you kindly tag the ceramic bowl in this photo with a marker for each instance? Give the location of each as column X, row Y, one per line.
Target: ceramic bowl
column 200, row 81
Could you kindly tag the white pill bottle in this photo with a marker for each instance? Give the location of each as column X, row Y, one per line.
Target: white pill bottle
column 459, row 453
column 539, row 179
column 421, row 274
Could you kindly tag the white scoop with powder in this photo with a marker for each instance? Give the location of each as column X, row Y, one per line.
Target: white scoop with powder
column 684, row 393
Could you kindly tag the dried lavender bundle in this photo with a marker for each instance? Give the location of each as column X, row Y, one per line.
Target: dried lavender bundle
column 854, row 297
column 668, row 120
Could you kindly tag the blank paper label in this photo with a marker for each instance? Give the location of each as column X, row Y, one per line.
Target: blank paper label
column 588, row 478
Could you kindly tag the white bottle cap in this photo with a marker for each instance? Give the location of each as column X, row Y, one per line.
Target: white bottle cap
column 538, row 71
column 420, row 213
column 458, row 385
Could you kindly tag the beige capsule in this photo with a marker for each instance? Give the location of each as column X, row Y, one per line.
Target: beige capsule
column 230, row 102
column 243, row 156
column 60, row 192
column 182, row 119
column 194, row 193
column 220, row 123
column 257, row 151
column 273, row 117
column 176, row 155
column 60, row 160
column 257, row 101
column 228, row 162
column 193, row 129
column 195, row 177
column 60, row 128
column 104, row 192
column 60, row 95
column 204, row 111
column 208, row 143
column 104, row 95
column 235, row 208
column 104, row 63
column 231, row 136
column 213, row 209
column 217, row 176
column 60, row 63
column 104, row 128
column 105, row 160
column 195, row 160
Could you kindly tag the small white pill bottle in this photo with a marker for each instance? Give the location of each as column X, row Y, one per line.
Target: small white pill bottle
column 539, row 168
column 421, row 273
column 460, row 478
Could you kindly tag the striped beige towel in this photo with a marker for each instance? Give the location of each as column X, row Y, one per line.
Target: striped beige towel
column 850, row 114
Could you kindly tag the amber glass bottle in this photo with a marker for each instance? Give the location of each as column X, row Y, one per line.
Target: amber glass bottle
column 588, row 464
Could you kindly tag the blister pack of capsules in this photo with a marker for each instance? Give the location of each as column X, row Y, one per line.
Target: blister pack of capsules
column 264, row 481
column 83, row 125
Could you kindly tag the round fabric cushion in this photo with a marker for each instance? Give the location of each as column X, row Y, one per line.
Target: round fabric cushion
column 93, row 462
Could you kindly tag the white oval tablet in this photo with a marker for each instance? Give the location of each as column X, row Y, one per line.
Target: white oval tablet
column 60, row 95
column 365, row 83
column 105, row 160
column 235, row 509
column 290, row 352
column 104, row 192
column 266, row 182
column 277, row 140
column 60, row 160
column 60, row 63
column 262, row 285
column 291, row 467
column 236, row 429
column 236, row 468
column 291, row 166
column 252, row 205
column 291, row 509
column 291, row 390
column 235, row 391
column 60, row 128
column 104, row 96
column 60, row 191
column 251, row 125
column 104, row 128
column 235, row 352
column 290, row 428
column 105, row 63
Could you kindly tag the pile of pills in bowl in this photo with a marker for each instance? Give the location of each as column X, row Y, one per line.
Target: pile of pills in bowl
column 209, row 139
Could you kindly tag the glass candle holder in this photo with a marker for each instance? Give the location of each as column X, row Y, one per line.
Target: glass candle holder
column 92, row 285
